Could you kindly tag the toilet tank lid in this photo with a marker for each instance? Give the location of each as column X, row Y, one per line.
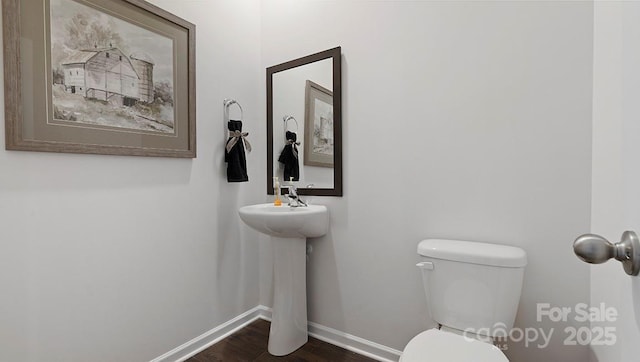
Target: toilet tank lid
column 473, row 252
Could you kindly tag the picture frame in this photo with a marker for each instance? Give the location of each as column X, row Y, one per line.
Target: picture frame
column 318, row 126
column 113, row 77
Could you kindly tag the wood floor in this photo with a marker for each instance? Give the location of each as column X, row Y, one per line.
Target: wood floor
column 250, row 344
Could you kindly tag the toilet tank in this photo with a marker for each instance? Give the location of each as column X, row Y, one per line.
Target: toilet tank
column 472, row 286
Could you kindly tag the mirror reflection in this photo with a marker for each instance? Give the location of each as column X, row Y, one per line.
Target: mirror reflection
column 303, row 124
column 303, row 139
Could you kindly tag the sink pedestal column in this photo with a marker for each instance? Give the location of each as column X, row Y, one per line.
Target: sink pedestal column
column 289, row 319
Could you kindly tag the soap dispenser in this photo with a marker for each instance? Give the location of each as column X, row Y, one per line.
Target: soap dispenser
column 276, row 189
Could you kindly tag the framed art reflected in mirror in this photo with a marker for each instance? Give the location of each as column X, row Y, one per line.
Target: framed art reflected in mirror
column 318, row 122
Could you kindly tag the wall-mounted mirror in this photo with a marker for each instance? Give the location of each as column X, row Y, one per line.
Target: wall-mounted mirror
column 304, row 124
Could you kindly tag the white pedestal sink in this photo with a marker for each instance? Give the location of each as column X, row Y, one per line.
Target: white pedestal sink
column 288, row 227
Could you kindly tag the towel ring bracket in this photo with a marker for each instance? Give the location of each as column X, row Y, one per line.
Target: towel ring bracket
column 286, row 120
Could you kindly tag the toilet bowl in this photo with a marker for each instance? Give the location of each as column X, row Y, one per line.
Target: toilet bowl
column 470, row 287
column 435, row 345
column 441, row 346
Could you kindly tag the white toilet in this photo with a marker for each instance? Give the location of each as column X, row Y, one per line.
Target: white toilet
column 473, row 290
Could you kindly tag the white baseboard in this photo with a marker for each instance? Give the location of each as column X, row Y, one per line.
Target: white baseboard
column 207, row 339
column 346, row 341
column 353, row 343
column 326, row 334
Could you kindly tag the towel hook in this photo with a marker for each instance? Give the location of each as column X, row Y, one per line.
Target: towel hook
column 228, row 103
column 286, row 119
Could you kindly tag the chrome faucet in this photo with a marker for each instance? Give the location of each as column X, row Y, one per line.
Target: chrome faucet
column 292, row 195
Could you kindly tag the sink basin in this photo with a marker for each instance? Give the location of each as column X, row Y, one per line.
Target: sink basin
column 288, row 227
column 287, row 222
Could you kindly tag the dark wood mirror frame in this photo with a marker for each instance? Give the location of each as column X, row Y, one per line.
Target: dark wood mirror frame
column 334, row 54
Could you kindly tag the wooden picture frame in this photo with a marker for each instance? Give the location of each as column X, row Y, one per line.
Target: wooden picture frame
column 335, row 55
column 110, row 77
column 318, row 126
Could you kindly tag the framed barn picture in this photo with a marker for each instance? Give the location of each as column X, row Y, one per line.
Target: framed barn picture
column 98, row 76
column 318, row 126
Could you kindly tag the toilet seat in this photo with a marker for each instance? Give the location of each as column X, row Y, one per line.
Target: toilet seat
column 440, row 346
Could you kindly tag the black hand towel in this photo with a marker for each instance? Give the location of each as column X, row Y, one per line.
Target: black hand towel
column 234, row 153
column 289, row 157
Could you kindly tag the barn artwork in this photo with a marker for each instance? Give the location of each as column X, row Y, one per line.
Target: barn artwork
column 108, row 72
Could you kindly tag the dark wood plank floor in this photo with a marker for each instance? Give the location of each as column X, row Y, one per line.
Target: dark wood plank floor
column 250, row 344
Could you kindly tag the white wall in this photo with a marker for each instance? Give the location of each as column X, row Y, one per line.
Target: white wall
column 106, row 258
column 616, row 196
column 466, row 120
